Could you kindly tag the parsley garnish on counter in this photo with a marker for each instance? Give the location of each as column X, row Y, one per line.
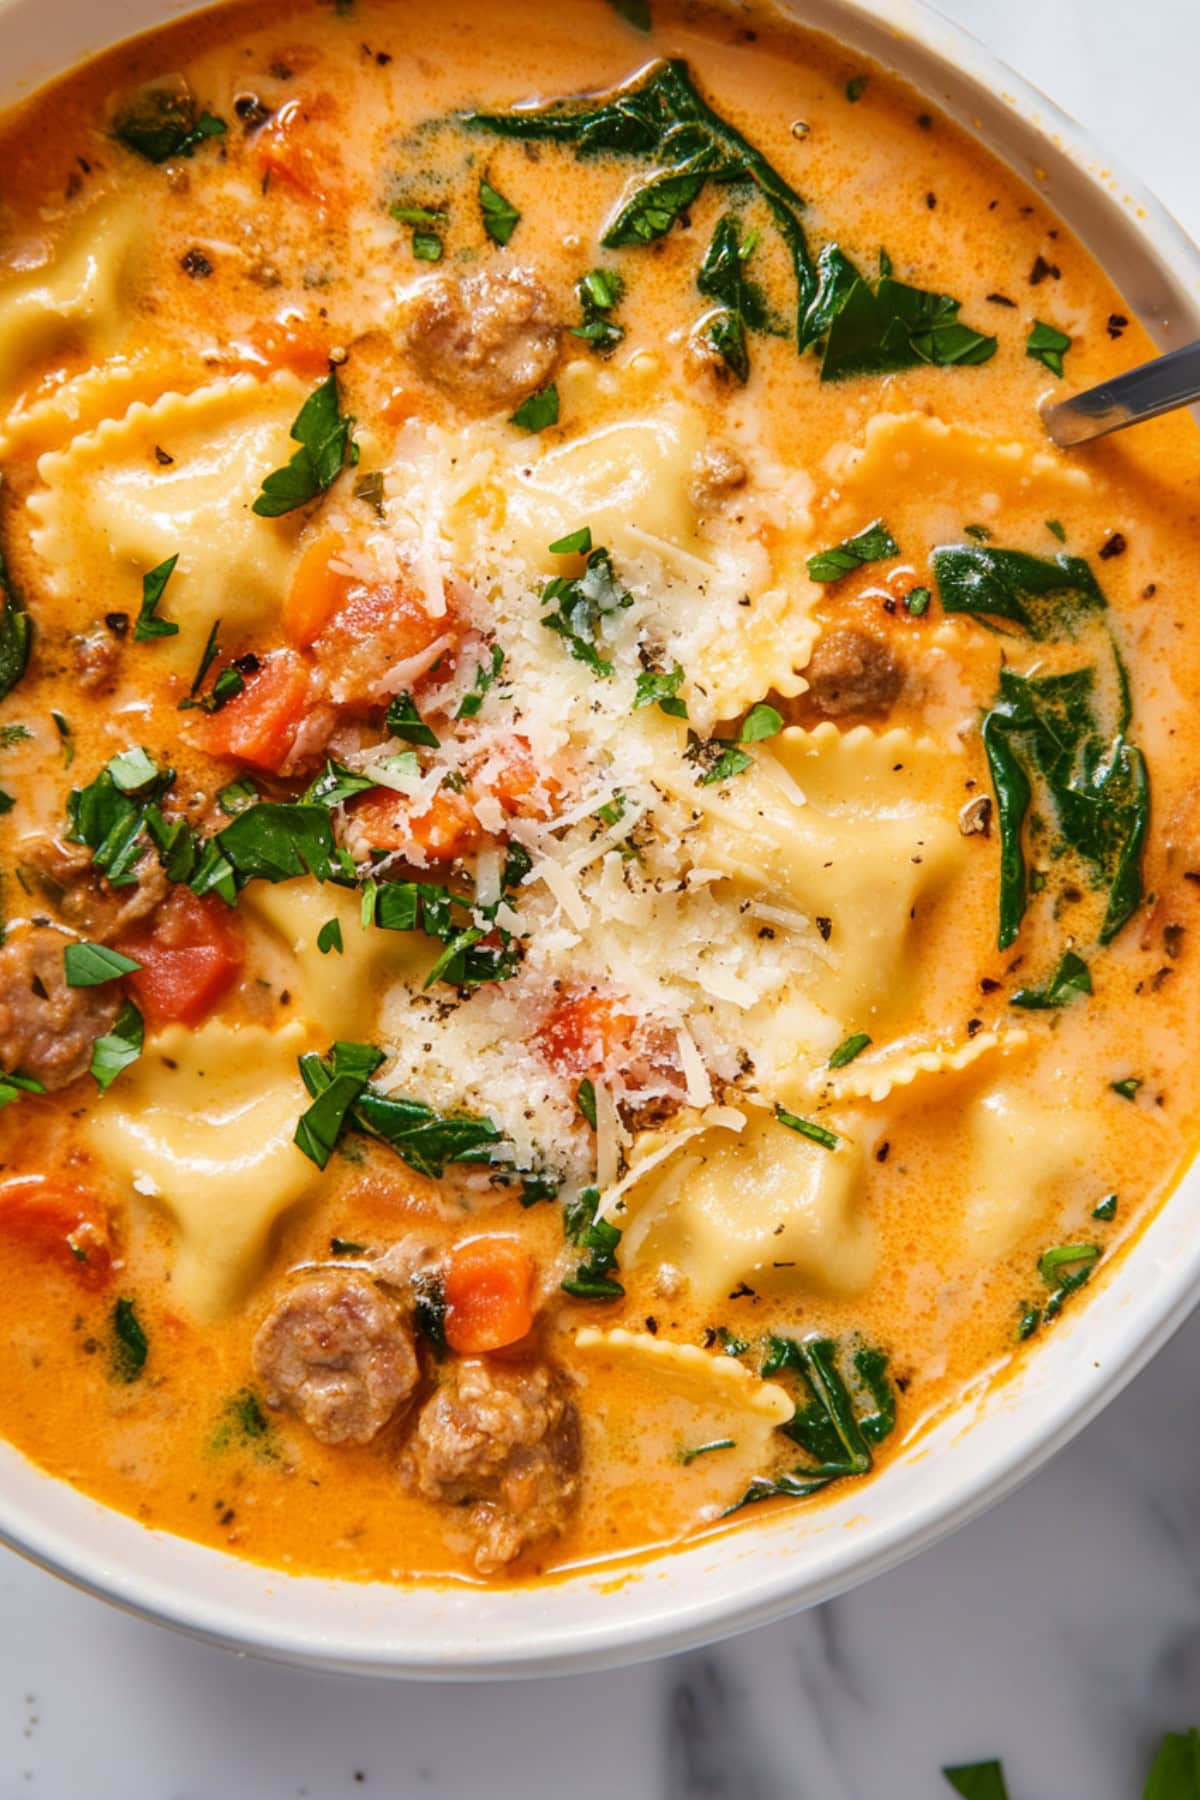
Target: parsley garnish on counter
column 322, row 431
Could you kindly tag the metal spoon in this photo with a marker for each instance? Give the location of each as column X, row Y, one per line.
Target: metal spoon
column 1156, row 387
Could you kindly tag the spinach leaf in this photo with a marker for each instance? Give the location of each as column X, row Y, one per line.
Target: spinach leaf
column 539, row 411
column 872, row 544
column 148, row 625
column 847, row 1407
column 598, row 292
column 741, row 306
column 428, row 906
column 634, row 12
column 896, row 327
column 244, row 1422
column 1046, row 596
column 978, row 1781
column 1046, row 728
column 593, row 1279
column 14, row 1084
column 583, row 605
column 130, row 1345
column 118, row 1047
column 334, row 786
column 1175, row 1771
column 272, row 841
column 1047, row 345
column 1064, row 1269
column 660, row 117
column 500, row 216
column 322, row 431
column 162, row 121
column 16, row 634
column 335, row 1084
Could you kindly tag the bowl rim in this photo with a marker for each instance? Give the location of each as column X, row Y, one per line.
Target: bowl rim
column 1144, row 1321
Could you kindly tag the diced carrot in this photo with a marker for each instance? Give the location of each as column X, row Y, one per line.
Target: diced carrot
column 489, row 1295
column 259, row 725
column 401, row 404
column 446, row 829
column 286, row 153
column 585, row 1031
column 190, row 955
column 56, row 1221
column 317, row 590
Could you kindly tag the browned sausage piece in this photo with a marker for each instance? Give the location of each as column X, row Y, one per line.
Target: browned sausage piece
column 47, row 1029
column 96, row 655
column 338, row 1351
column 487, row 340
column 64, row 876
column 852, row 671
column 506, row 1440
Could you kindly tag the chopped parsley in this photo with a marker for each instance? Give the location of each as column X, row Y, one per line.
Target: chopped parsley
column 486, row 674
column 119, row 1047
column 1128, row 1087
column 872, row 544
column 538, row 410
column 593, row 1279
column 428, row 224
column 236, row 797
column 500, row 216
column 582, row 607
column 1071, row 978
column 978, row 1781
column 585, row 1100
column 634, row 12
column 148, row 625
column 1047, row 345
column 130, row 1345
column 808, row 1128
column 405, row 722
column 1106, row 1209
column 576, row 543
column 13, row 1085
column 916, row 602
column 1064, row 1269
column 66, row 737
column 660, row 687
column 741, row 306
column 330, row 937
column 91, row 965
column 848, row 1049
column 322, row 431
column 598, row 293
column 344, row 1247
column 244, row 1421
column 761, row 722
column 687, row 1457
column 162, row 121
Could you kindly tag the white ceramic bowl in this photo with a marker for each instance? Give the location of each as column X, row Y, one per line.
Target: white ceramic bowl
column 794, row 1557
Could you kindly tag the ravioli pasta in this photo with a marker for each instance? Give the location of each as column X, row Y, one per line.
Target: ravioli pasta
column 596, row 830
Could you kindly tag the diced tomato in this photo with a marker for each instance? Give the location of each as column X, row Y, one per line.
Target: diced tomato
column 446, row 829
column 523, row 790
column 584, row 1032
column 287, row 153
column 56, row 1221
column 291, row 342
column 376, row 632
column 189, row 956
column 259, row 726
column 317, row 592
column 489, row 1295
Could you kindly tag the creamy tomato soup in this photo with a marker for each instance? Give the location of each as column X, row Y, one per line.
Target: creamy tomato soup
column 599, row 847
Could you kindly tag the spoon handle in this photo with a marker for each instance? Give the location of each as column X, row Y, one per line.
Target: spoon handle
column 1156, row 387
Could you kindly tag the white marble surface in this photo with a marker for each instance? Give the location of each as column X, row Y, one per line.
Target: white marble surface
column 1061, row 1632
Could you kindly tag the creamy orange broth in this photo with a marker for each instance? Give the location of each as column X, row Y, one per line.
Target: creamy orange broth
column 295, row 273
